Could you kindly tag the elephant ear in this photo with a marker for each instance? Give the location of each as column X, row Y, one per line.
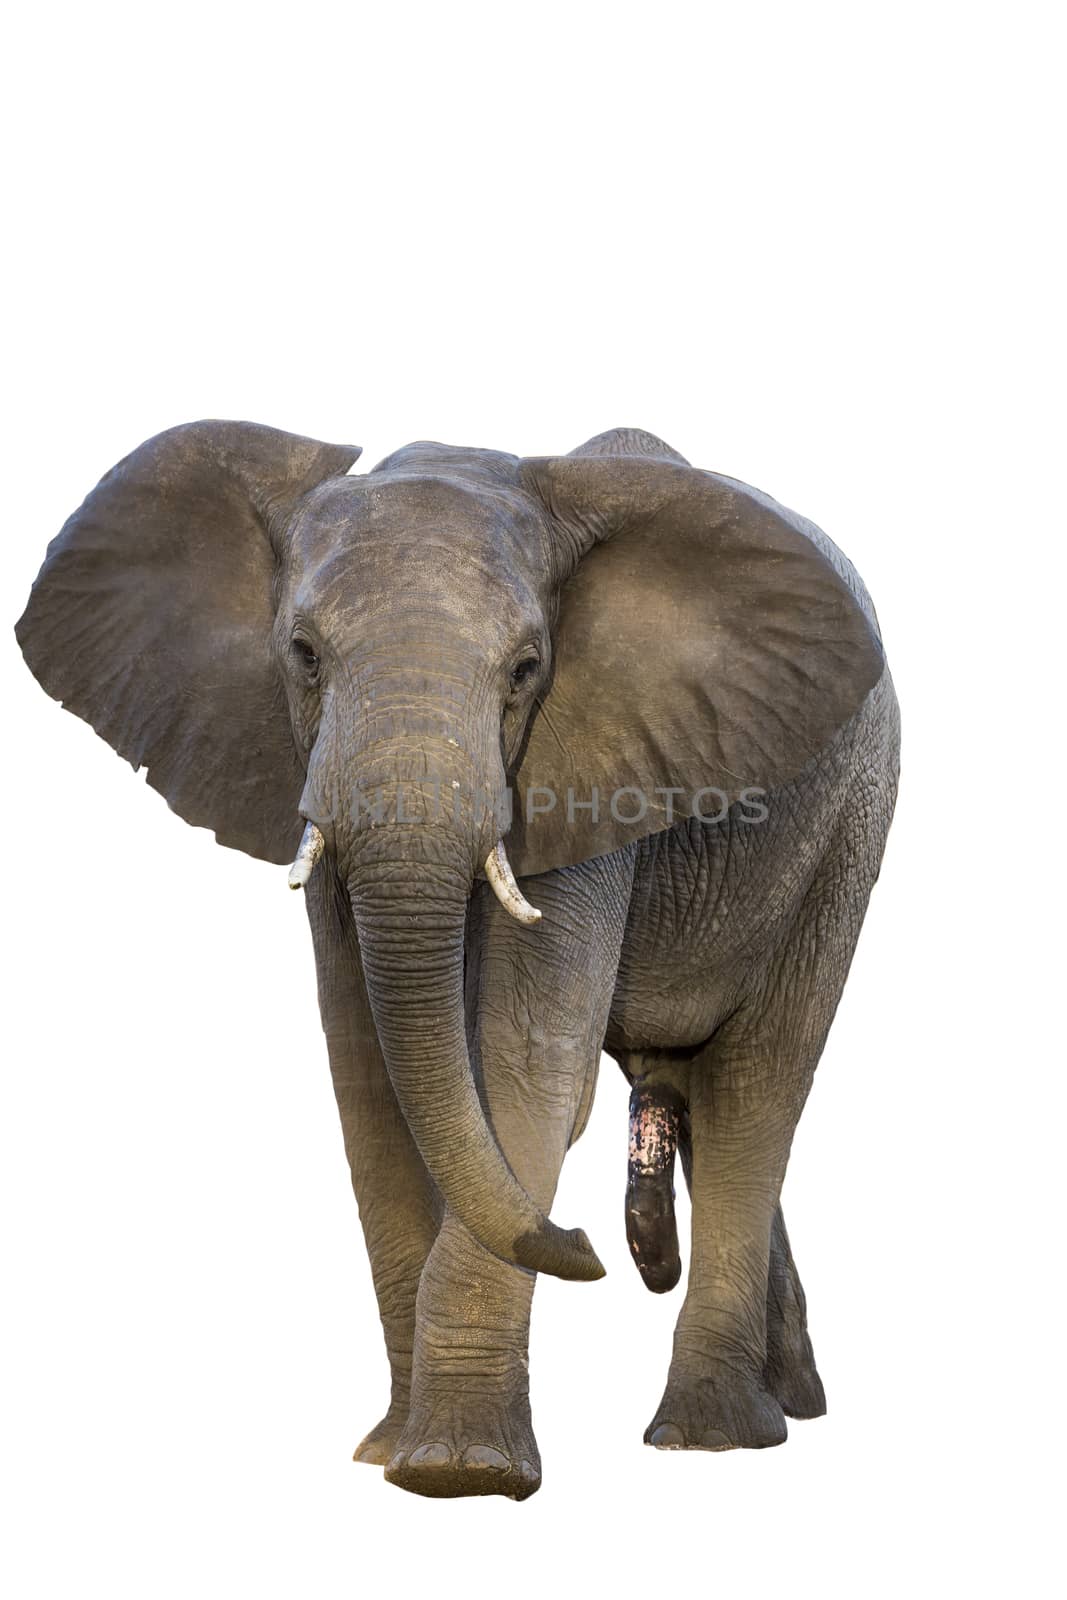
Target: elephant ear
column 152, row 617
column 707, row 640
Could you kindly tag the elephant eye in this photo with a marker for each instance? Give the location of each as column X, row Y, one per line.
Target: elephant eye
column 523, row 671
column 305, row 656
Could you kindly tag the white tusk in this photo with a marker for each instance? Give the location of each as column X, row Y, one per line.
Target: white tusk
column 311, row 847
column 498, row 871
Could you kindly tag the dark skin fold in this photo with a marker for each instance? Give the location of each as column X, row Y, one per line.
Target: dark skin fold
column 658, row 1116
column 281, row 642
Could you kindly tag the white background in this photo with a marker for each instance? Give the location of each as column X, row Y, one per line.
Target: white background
column 813, row 246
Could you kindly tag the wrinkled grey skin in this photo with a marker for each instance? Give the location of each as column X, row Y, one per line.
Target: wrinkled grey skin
column 329, row 634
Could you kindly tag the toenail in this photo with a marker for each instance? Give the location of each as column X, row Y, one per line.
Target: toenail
column 527, row 1470
column 397, row 1461
column 483, row 1455
column 430, row 1455
column 668, row 1437
column 713, row 1440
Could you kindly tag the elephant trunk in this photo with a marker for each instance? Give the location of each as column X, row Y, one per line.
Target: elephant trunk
column 409, row 858
column 410, row 919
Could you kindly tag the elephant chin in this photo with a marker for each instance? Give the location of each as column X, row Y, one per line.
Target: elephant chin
column 412, row 944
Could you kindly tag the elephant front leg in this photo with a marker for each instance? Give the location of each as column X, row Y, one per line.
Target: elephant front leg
column 468, row 1429
column 398, row 1211
column 538, row 1001
column 398, row 1206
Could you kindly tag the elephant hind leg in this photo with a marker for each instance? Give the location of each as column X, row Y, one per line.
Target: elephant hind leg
column 660, row 1128
column 789, row 1372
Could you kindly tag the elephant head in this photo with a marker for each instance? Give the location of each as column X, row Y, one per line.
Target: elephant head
column 385, row 658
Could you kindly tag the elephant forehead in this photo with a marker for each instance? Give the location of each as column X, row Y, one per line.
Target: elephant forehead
column 383, row 506
column 432, row 538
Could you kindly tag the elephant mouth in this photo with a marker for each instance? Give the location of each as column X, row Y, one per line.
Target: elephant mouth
column 497, row 870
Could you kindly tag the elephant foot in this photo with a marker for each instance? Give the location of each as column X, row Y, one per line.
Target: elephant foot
column 378, row 1447
column 465, row 1446
column 718, row 1408
column 792, row 1378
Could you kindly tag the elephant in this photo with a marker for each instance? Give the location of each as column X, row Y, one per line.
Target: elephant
column 569, row 754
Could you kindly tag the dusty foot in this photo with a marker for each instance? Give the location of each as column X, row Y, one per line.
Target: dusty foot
column 789, row 1371
column 378, row 1448
column 464, row 1445
column 791, row 1376
column 715, row 1409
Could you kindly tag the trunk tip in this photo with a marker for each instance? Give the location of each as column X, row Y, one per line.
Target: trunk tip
column 592, row 1266
column 562, row 1252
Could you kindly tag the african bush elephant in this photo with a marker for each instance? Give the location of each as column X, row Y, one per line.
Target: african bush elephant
column 668, row 695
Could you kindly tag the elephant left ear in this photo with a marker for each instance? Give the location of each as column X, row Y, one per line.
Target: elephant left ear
column 708, row 643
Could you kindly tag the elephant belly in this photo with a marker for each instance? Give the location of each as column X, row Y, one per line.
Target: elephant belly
column 707, row 902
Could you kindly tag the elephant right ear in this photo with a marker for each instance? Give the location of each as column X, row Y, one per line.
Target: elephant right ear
column 152, row 618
